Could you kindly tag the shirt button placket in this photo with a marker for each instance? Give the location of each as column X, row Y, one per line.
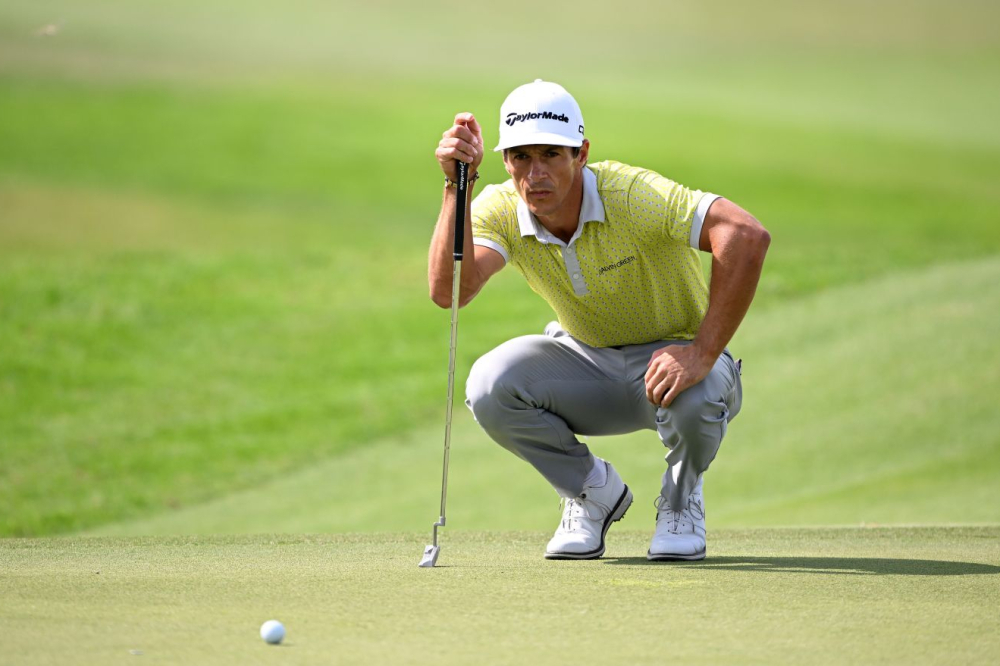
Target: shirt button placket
column 575, row 274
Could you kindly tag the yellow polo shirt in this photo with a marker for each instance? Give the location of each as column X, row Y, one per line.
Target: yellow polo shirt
column 629, row 275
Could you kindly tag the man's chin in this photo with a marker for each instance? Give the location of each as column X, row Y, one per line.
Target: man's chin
column 540, row 211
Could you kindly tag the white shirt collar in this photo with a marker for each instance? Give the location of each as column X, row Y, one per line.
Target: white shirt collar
column 592, row 210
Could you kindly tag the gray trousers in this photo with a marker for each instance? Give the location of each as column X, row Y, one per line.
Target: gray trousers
column 534, row 394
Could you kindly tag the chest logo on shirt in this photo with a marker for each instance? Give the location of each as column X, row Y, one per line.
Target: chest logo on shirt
column 610, row 267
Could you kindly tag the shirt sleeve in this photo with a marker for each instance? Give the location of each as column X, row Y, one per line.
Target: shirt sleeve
column 489, row 221
column 676, row 211
column 706, row 201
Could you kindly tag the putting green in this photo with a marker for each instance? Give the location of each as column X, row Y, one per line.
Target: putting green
column 770, row 596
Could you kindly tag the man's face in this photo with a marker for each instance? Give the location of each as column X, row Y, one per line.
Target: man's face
column 545, row 176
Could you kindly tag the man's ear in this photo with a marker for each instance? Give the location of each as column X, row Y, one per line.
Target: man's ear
column 584, row 153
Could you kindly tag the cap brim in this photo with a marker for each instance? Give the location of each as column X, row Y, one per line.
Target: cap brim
column 538, row 139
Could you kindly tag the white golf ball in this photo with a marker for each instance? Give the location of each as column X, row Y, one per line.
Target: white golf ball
column 272, row 632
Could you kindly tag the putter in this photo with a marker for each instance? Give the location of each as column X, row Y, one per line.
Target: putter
column 432, row 551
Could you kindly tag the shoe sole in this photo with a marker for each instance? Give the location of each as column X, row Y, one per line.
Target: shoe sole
column 674, row 557
column 621, row 508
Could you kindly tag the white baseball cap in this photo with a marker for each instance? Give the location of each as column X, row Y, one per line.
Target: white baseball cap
column 540, row 113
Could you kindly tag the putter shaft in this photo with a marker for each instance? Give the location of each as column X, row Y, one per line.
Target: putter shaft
column 432, row 551
column 456, row 285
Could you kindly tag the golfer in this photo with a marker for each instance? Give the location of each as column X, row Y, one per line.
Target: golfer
column 640, row 342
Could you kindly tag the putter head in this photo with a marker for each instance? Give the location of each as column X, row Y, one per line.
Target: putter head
column 430, row 557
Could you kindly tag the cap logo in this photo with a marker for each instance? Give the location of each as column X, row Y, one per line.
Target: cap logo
column 513, row 118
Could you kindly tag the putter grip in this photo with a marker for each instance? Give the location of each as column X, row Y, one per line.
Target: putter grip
column 463, row 183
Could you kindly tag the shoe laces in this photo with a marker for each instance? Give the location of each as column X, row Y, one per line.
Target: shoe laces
column 678, row 521
column 573, row 509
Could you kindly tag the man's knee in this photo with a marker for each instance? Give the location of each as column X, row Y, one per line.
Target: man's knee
column 480, row 387
column 698, row 415
column 492, row 386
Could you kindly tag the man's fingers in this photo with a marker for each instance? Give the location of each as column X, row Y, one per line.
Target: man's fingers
column 473, row 125
column 477, row 132
column 662, row 386
column 460, row 132
column 670, row 395
column 456, row 149
column 462, row 142
column 657, row 383
column 467, row 122
column 461, row 146
column 670, row 374
column 467, row 119
column 655, row 393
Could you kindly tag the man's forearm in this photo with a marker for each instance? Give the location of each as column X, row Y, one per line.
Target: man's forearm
column 737, row 261
column 440, row 261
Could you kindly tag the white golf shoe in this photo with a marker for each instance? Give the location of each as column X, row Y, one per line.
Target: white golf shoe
column 586, row 519
column 680, row 535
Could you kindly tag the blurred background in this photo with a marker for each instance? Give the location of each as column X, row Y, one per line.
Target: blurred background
column 214, row 219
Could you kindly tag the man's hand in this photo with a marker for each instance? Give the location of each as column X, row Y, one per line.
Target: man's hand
column 673, row 369
column 462, row 142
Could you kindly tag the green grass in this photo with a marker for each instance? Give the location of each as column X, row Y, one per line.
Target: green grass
column 213, row 319
column 822, row 596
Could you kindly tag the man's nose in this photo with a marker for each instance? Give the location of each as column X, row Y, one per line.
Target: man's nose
column 537, row 170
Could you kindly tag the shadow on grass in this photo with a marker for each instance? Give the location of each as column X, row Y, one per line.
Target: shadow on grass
column 853, row 566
